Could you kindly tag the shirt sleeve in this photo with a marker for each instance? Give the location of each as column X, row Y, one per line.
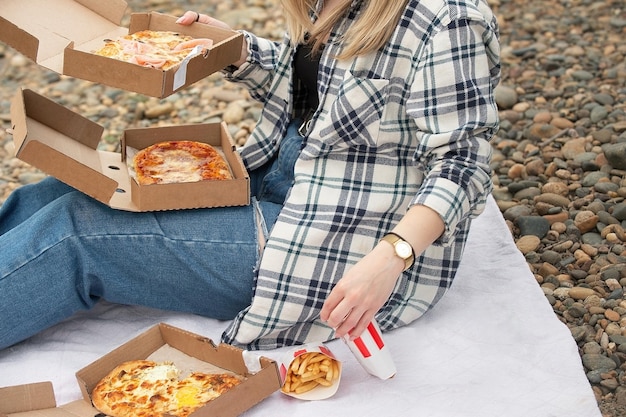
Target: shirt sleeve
column 452, row 102
column 257, row 73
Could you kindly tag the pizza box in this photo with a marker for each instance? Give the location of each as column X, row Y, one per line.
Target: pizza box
column 62, row 34
column 254, row 388
column 64, row 144
column 37, row 400
column 161, row 342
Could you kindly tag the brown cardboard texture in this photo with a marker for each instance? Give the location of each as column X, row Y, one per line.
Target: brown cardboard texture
column 37, row 400
column 64, row 144
column 27, row 397
column 254, row 388
column 62, row 34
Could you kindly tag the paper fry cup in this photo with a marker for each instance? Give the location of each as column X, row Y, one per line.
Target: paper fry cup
column 295, row 359
column 371, row 352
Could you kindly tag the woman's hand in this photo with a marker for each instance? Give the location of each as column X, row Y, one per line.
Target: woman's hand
column 190, row 17
column 362, row 291
column 365, row 288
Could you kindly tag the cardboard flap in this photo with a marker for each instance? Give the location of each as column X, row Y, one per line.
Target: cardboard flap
column 20, row 39
column 224, row 356
column 112, row 10
column 59, row 118
column 43, row 29
column 29, row 397
column 42, row 130
column 19, row 128
column 90, row 181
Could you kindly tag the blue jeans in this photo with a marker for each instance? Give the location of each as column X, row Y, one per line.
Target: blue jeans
column 62, row 251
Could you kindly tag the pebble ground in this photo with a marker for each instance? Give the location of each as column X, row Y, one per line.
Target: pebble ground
column 559, row 163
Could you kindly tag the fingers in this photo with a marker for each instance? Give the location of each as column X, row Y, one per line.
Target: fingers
column 335, row 310
column 354, row 324
column 330, row 305
column 344, row 317
column 342, row 312
column 360, row 327
column 359, row 294
column 189, row 17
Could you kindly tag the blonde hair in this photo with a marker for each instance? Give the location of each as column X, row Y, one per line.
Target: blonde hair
column 369, row 33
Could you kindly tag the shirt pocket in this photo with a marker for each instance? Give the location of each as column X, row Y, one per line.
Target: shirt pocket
column 356, row 113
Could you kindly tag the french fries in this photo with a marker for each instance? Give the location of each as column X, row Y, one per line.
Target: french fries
column 308, row 371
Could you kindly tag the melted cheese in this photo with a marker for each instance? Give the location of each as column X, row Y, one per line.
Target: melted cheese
column 178, row 166
column 160, row 372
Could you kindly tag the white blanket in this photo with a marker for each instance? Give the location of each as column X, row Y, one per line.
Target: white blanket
column 491, row 347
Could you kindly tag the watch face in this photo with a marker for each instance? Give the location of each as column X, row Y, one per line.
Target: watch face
column 403, row 249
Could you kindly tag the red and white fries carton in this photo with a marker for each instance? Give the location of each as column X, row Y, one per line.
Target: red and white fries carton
column 296, row 358
column 372, row 353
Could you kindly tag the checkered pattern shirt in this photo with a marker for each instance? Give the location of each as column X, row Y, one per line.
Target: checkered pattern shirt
column 408, row 124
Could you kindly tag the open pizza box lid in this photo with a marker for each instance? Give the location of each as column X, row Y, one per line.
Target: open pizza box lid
column 160, row 342
column 37, row 400
column 64, row 144
column 61, row 34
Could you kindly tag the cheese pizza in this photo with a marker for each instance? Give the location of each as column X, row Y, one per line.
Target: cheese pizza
column 143, row 388
column 179, row 161
column 151, row 48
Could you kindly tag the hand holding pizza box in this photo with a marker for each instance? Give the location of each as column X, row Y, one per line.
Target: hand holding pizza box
column 310, row 372
column 372, row 353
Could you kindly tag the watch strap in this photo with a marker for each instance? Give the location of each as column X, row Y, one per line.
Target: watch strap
column 393, row 238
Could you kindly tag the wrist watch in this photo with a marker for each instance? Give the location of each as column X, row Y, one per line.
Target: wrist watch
column 403, row 249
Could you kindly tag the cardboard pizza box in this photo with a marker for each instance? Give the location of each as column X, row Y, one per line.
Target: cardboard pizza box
column 62, row 34
column 64, row 144
column 172, row 343
column 162, row 341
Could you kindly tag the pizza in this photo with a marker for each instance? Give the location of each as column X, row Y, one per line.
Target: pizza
column 152, row 48
column 179, row 161
column 144, row 388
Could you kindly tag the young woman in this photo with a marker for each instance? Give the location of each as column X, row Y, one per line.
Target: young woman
column 369, row 160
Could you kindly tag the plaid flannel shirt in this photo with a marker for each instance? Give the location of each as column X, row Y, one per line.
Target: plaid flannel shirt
column 408, row 124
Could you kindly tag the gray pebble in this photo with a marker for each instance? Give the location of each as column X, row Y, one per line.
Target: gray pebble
column 516, row 211
column 533, row 225
column 506, row 97
column 592, row 238
column 619, row 211
column 616, row 155
column 598, row 362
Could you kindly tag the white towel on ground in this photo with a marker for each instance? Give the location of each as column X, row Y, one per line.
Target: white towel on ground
column 492, row 347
